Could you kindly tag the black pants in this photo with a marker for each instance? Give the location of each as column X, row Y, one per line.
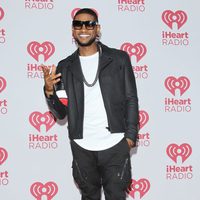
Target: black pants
column 110, row 169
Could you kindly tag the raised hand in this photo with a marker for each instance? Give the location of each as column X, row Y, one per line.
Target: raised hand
column 50, row 78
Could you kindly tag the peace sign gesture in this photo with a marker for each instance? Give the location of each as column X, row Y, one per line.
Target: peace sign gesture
column 50, row 79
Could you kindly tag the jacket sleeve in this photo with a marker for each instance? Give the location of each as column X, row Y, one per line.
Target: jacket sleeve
column 131, row 109
column 58, row 109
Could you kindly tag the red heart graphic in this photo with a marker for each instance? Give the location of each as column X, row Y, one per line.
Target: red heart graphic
column 38, row 189
column 138, row 50
column 1, row 13
column 142, row 186
column 75, row 10
column 184, row 151
column 169, row 17
column 2, row 84
column 35, row 49
column 37, row 119
column 143, row 118
column 182, row 83
column 3, row 155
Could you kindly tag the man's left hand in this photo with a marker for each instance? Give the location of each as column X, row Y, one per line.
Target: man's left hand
column 131, row 144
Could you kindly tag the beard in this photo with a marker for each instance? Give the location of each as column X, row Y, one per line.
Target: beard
column 91, row 41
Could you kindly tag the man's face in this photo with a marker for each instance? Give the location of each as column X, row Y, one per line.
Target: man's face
column 85, row 36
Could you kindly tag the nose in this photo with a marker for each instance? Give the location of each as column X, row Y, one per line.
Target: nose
column 83, row 27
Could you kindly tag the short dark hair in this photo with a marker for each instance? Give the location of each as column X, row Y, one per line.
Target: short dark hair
column 87, row 11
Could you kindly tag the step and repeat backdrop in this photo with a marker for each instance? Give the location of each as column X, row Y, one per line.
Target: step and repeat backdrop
column 162, row 40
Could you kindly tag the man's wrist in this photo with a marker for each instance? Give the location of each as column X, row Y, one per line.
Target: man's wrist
column 48, row 93
column 130, row 142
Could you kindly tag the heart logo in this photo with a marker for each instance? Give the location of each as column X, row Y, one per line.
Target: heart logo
column 37, row 119
column 1, row 13
column 49, row 189
column 138, row 50
column 75, row 10
column 3, row 155
column 142, row 186
column 184, row 151
column 143, row 118
column 169, row 17
column 2, row 84
column 46, row 49
column 182, row 84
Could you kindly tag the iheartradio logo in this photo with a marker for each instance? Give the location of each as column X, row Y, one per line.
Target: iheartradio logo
column 1, row 13
column 142, row 186
column 38, row 190
column 182, row 84
column 138, row 50
column 37, row 119
column 184, row 151
column 2, row 84
column 143, row 118
column 75, row 10
column 169, row 17
column 36, row 49
column 3, row 155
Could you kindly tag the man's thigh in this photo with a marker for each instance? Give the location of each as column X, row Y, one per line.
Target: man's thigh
column 85, row 171
column 116, row 171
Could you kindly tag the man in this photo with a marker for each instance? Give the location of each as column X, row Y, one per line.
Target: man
column 102, row 110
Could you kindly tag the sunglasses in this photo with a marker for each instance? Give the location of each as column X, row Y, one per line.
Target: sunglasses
column 78, row 25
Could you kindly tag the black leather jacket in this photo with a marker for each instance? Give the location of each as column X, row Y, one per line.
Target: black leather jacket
column 118, row 88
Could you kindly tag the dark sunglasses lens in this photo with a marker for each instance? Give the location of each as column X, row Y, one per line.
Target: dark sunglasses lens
column 90, row 24
column 77, row 24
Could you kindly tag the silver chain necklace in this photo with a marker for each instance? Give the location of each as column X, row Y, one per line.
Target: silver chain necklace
column 97, row 74
column 95, row 80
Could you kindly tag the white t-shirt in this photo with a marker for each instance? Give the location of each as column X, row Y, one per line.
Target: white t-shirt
column 96, row 136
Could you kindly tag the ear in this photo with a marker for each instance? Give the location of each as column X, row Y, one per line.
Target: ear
column 98, row 30
column 72, row 32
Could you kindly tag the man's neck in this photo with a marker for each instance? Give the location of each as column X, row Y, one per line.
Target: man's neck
column 88, row 50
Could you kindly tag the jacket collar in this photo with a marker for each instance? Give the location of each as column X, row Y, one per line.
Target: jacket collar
column 104, row 60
